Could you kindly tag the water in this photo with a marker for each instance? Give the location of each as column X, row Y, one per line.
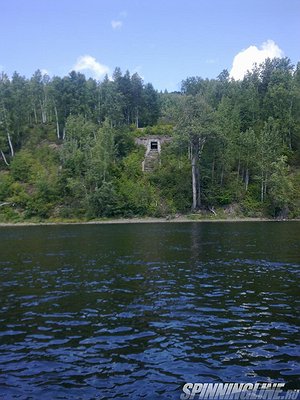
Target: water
column 135, row 311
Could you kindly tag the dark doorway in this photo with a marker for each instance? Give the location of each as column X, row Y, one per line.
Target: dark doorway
column 154, row 146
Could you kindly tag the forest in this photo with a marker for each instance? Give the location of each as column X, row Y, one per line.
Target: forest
column 68, row 152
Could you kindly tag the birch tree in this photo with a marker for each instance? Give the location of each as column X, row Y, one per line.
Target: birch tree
column 269, row 148
column 196, row 125
column 6, row 101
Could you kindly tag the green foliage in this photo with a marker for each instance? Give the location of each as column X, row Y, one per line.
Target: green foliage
column 295, row 181
column 131, row 164
column 280, row 187
column 136, row 197
column 67, row 145
column 103, row 201
column 19, row 196
column 44, row 196
column 173, row 179
column 250, row 203
column 220, row 196
column 124, row 142
column 22, row 166
column 160, row 129
column 6, row 181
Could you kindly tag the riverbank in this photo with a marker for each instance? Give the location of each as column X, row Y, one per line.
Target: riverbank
column 147, row 220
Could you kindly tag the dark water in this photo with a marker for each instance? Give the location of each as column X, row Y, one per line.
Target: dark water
column 135, row 311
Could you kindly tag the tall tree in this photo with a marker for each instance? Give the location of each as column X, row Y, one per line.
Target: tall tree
column 196, row 125
column 137, row 99
column 269, row 147
column 151, row 107
column 39, row 96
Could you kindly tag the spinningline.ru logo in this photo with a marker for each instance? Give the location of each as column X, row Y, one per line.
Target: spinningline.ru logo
column 238, row 391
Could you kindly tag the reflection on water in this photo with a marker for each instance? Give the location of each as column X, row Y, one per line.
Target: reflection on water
column 135, row 311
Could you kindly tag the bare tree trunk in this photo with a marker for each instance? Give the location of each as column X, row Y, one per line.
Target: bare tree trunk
column 137, row 118
column 262, row 188
column 246, row 179
column 35, row 115
column 10, row 145
column 222, row 175
column 4, row 158
column 239, row 168
column 44, row 117
column 57, row 124
column 196, row 149
column 198, row 187
column 6, row 203
column 194, row 180
column 43, row 112
column 211, row 209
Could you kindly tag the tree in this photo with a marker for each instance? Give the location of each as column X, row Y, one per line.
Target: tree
column 150, row 106
column 195, row 125
column 38, row 95
column 279, row 99
column 247, row 96
column 137, row 99
column 170, row 107
column 110, row 103
column 228, row 126
column 57, row 101
column 13, row 111
column 280, row 187
column 234, row 140
column 123, row 85
column 269, row 147
column 248, row 151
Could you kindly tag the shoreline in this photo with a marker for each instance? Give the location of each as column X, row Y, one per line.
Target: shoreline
column 145, row 220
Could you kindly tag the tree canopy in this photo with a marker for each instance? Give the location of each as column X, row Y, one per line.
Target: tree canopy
column 67, row 145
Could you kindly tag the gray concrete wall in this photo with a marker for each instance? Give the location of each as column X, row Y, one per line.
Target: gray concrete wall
column 146, row 141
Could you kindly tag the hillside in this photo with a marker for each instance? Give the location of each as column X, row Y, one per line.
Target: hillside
column 68, row 151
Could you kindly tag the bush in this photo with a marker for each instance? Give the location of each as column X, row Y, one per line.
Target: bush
column 251, row 207
column 103, row 202
column 21, row 166
column 173, row 180
column 160, row 129
column 5, row 186
column 137, row 197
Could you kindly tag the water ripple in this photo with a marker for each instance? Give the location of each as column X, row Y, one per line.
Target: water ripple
column 135, row 314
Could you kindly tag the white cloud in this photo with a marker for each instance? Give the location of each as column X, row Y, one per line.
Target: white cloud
column 116, row 24
column 44, row 71
column 89, row 64
column 245, row 59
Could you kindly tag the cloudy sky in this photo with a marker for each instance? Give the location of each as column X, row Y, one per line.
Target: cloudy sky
column 165, row 41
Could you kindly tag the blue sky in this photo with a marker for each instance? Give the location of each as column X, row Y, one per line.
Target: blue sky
column 165, row 41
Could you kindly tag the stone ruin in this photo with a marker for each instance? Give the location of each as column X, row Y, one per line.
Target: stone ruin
column 153, row 148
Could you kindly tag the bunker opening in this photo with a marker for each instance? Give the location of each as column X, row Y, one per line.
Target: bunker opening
column 154, row 145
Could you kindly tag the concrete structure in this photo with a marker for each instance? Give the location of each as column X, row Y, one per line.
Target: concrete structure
column 153, row 148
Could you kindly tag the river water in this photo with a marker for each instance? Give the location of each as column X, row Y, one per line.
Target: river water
column 136, row 310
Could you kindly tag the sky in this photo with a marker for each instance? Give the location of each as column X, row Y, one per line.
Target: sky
column 164, row 41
